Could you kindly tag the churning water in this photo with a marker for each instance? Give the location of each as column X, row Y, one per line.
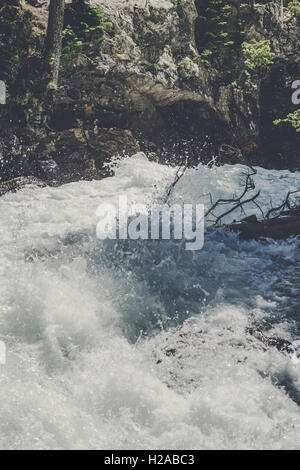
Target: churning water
column 125, row 344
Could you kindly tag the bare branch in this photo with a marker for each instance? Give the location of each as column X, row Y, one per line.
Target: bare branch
column 285, row 205
column 259, row 208
column 240, row 204
column 179, row 174
column 238, row 201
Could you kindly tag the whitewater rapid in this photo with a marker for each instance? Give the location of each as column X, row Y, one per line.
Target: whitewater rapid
column 140, row 344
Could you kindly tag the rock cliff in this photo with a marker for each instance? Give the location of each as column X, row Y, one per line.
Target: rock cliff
column 152, row 84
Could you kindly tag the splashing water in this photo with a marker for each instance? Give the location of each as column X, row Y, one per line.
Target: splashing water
column 125, row 344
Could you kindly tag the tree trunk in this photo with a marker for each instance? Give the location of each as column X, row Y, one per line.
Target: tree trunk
column 55, row 36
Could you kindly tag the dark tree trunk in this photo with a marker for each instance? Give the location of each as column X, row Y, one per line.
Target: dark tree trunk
column 55, row 36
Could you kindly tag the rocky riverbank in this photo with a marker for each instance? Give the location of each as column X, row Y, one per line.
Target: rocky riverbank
column 149, row 84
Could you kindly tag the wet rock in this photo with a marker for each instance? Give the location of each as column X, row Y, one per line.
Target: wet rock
column 16, row 184
column 107, row 143
column 48, row 169
column 279, row 343
column 230, row 154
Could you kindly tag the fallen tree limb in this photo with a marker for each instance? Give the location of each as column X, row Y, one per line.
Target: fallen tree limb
column 285, row 205
column 284, row 223
column 239, row 201
column 276, row 228
column 237, row 206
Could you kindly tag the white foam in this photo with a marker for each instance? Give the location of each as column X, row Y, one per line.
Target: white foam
column 72, row 308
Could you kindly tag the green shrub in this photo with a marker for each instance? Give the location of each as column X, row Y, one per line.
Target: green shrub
column 72, row 46
column 16, row 37
column 22, row 65
column 213, row 32
column 292, row 118
column 85, row 30
column 257, row 55
column 294, row 7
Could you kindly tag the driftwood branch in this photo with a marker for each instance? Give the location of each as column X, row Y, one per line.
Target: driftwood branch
column 179, row 174
column 239, row 201
column 285, row 220
column 240, row 204
column 285, row 224
column 286, row 205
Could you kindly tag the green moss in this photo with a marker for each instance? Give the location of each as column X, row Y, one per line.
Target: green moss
column 120, row 57
column 186, row 64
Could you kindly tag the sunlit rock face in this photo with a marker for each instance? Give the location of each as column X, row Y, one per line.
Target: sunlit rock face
column 148, row 82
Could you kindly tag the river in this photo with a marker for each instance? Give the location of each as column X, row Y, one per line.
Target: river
column 142, row 344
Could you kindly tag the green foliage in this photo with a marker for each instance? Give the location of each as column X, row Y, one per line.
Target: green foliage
column 22, row 65
column 186, row 64
column 294, row 7
column 72, row 46
column 203, row 58
column 292, row 118
column 15, row 38
column 120, row 57
column 85, row 30
column 257, row 55
column 214, row 33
